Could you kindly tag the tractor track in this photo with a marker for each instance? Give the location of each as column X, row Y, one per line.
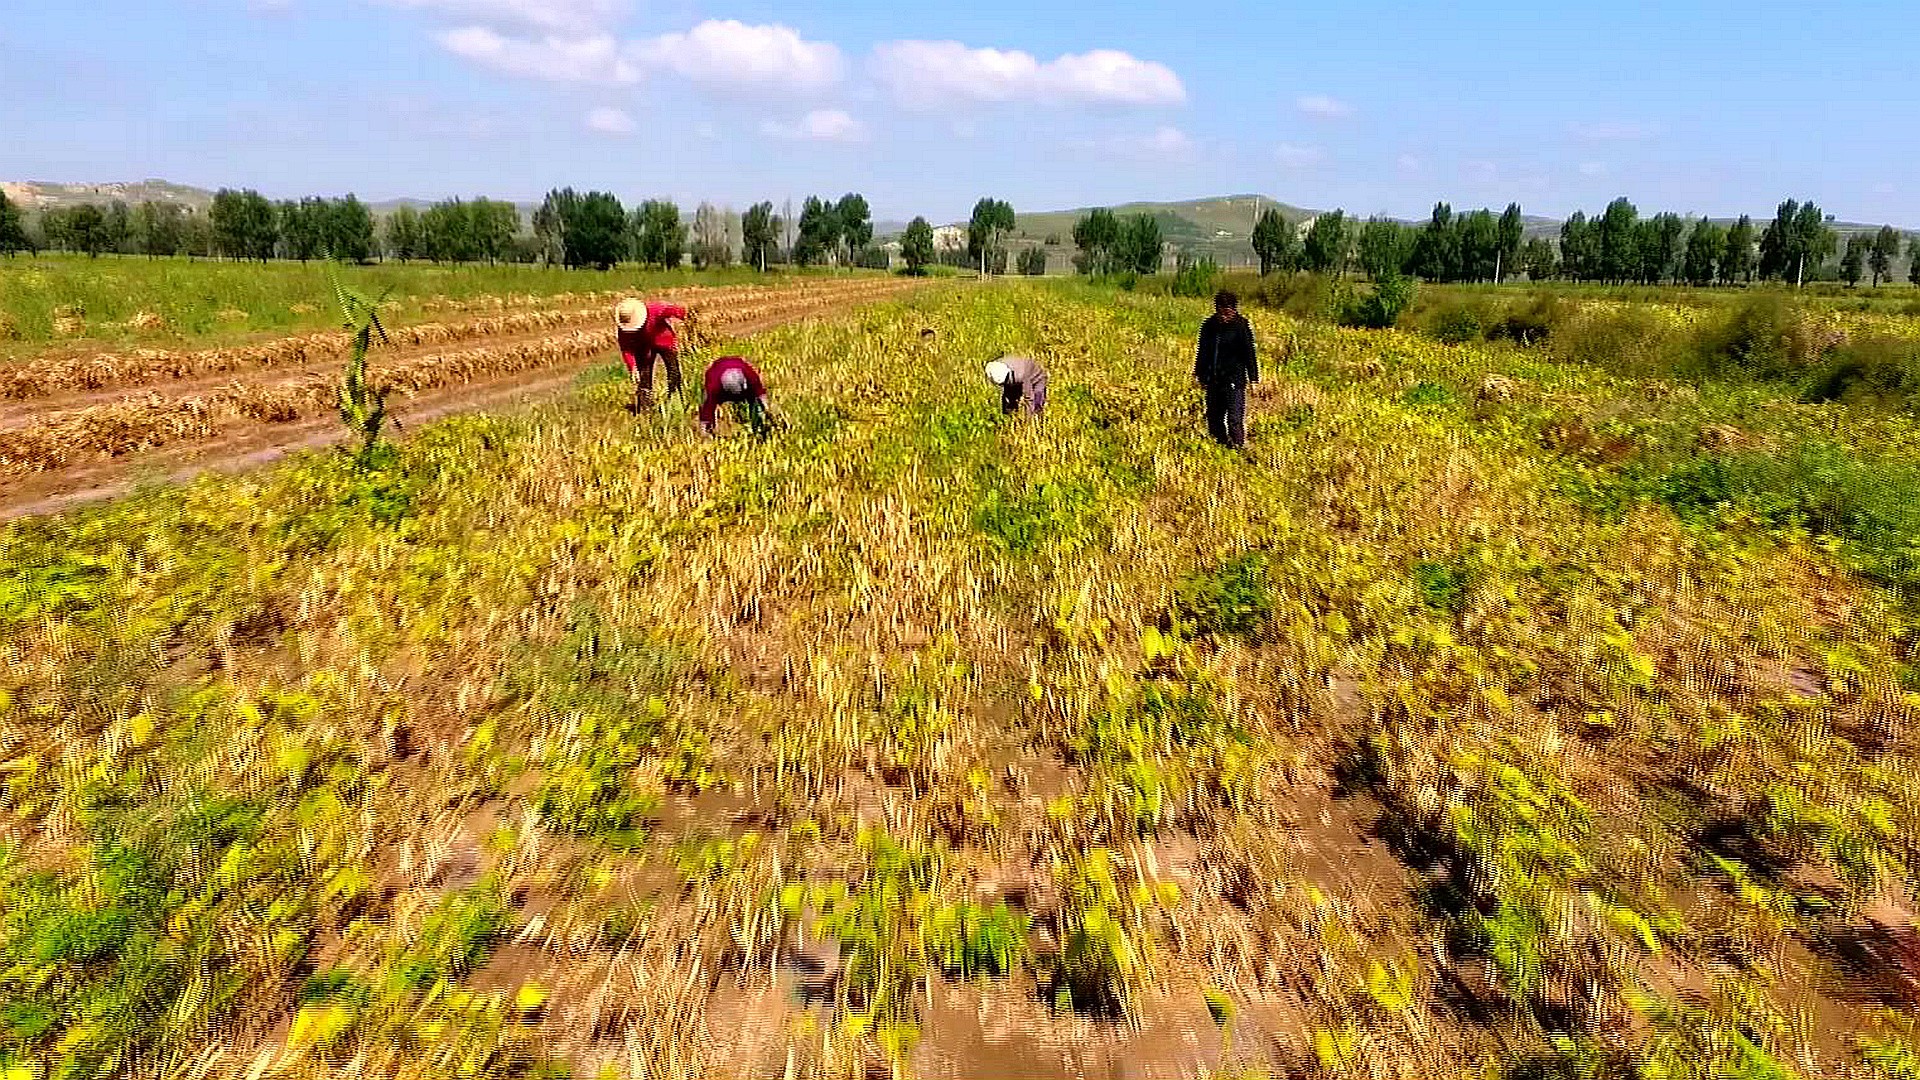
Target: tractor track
column 222, row 439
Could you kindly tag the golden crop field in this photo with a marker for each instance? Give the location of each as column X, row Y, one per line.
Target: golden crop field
column 1495, row 716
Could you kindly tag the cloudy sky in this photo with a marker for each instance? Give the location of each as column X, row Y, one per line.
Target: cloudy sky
column 1689, row 105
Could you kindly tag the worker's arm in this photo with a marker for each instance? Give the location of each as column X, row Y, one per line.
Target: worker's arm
column 626, row 353
column 707, row 405
column 1253, row 356
column 672, row 311
column 1200, row 372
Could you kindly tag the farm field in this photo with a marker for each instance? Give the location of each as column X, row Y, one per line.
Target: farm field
column 80, row 425
column 1494, row 716
column 132, row 301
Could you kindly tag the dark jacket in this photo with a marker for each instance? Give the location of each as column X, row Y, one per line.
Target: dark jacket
column 1225, row 356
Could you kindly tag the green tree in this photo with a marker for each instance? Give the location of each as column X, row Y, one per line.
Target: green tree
column 1436, row 251
column 1325, row 250
column 1479, row 246
column 1660, row 247
column 158, row 228
column 403, row 233
column 1853, row 265
column 595, row 231
column 1510, row 231
column 494, row 223
column 1033, row 261
column 916, row 245
column 1381, row 247
column 819, row 232
column 13, row 228
column 1538, row 260
column 1814, row 241
column 1275, row 241
column 1913, row 258
column 1886, row 248
column 446, row 232
column 1706, row 245
column 760, row 235
column 86, row 229
column 659, row 237
column 1098, row 237
column 348, row 228
column 302, row 227
column 856, row 223
column 1141, row 248
column 1776, row 243
column 118, row 222
column 1619, row 241
column 1579, row 258
column 1736, row 263
column 549, row 224
column 992, row 220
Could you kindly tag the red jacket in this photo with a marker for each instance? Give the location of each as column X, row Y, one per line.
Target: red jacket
column 715, row 396
column 655, row 333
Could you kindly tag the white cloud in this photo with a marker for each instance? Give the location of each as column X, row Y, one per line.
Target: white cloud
column 554, row 58
column 568, row 16
column 1295, row 157
column 1322, row 107
column 610, row 120
column 1615, row 130
column 706, row 130
column 725, row 52
column 1593, row 168
column 820, row 125
column 1883, row 189
column 1411, row 163
column 930, row 74
column 1162, row 142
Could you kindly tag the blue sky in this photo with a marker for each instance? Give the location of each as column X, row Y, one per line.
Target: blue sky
column 1694, row 106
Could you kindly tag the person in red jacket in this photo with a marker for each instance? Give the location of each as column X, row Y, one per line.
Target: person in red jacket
column 732, row 379
column 645, row 333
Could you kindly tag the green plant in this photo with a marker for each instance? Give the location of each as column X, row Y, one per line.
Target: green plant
column 1380, row 309
column 1197, row 279
column 1235, row 598
column 363, row 406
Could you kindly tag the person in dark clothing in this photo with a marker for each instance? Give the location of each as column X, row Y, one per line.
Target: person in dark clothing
column 1225, row 365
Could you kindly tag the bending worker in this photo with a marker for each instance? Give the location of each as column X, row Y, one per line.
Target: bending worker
column 731, row 379
column 645, row 334
column 1019, row 377
column 1225, row 365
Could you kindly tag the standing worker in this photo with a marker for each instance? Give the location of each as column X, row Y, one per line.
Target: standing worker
column 1019, row 377
column 732, row 379
column 644, row 334
column 1225, row 365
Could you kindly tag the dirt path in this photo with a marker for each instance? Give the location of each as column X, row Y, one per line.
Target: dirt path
column 243, row 444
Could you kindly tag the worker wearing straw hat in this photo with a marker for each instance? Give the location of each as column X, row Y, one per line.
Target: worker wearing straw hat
column 1019, row 378
column 646, row 333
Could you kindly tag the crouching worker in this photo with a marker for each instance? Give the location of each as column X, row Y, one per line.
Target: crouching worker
column 646, row 334
column 731, row 380
column 1019, row 378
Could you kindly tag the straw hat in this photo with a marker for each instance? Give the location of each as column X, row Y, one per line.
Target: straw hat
column 998, row 372
column 629, row 314
column 733, row 381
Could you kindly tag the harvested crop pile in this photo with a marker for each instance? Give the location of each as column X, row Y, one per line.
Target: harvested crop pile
column 147, row 320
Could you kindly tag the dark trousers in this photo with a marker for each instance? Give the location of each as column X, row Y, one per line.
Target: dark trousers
column 1227, row 415
column 643, row 394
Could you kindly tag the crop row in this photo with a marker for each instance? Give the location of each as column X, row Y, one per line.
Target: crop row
column 144, row 423
column 53, row 375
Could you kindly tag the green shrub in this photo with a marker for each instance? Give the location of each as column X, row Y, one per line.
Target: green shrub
column 1197, row 280
column 1391, row 295
column 1532, row 322
column 1456, row 325
column 1878, row 368
column 1236, row 598
column 1627, row 342
column 1765, row 337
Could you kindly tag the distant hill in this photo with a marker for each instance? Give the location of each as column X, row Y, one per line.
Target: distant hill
column 42, row 195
